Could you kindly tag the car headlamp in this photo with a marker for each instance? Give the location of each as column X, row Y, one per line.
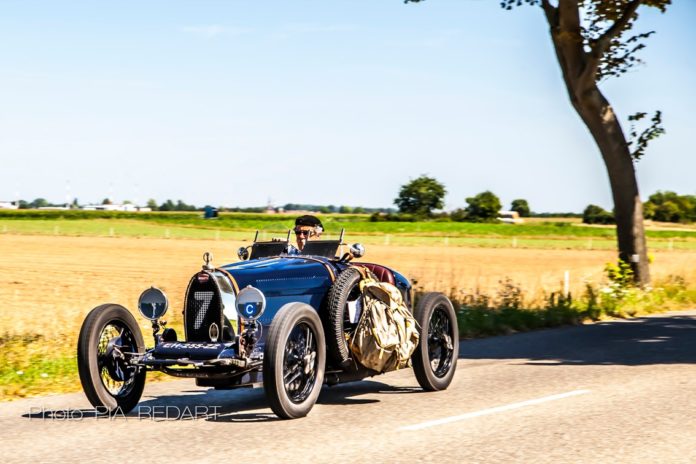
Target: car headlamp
column 153, row 303
column 250, row 303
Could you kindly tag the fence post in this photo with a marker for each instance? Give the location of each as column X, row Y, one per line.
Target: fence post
column 566, row 283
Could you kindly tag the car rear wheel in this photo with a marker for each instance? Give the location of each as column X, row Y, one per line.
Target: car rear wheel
column 108, row 334
column 294, row 360
column 435, row 358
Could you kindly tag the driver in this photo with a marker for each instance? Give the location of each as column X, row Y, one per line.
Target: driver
column 307, row 227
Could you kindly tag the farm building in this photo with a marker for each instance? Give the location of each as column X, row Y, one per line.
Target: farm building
column 9, row 204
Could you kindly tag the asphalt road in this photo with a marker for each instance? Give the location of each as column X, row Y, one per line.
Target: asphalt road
column 611, row 392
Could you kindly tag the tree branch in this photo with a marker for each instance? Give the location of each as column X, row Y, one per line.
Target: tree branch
column 601, row 45
column 551, row 13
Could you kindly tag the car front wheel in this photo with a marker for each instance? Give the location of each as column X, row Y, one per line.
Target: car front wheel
column 294, row 361
column 108, row 337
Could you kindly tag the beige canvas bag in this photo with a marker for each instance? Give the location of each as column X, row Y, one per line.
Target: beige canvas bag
column 387, row 334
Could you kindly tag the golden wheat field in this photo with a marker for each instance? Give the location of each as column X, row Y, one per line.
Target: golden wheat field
column 49, row 283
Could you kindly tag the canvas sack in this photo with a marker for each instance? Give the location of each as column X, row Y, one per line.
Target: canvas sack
column 387, row 334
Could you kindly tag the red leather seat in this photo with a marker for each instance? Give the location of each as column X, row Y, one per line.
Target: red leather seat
column 383, row 274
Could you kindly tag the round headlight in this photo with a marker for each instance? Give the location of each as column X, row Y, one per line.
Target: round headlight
column 250, row 303
column 153, row 303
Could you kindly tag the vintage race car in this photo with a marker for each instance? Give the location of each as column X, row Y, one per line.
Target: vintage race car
column 277, row 320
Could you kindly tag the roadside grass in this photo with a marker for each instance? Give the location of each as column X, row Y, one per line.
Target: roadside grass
column 509, row 310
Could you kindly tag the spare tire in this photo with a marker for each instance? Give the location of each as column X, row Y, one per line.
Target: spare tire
column 344, row 291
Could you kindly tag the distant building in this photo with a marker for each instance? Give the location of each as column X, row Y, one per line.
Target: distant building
column 510, row 217
column 129, row 207
column 9, row 204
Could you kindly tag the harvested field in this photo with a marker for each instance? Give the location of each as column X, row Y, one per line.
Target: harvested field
column 49, row 283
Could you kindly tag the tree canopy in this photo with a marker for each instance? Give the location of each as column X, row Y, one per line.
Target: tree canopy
column 421, row 196
column 483, row 207
column 521, row 206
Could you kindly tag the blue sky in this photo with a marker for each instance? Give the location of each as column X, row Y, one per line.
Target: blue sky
column 340, row 102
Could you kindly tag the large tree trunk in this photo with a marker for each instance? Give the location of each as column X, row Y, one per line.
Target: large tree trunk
column 600, row 119
column 579, row 73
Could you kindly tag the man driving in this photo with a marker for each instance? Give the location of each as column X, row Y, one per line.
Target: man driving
column 307, row 227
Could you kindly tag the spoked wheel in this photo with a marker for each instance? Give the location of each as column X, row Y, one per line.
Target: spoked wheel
column 435, row 358
column 293, row 362
column 108, row 335
column 343, row 297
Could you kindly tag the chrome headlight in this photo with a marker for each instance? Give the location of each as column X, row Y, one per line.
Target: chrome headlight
column 250, row 303
column 153, row 303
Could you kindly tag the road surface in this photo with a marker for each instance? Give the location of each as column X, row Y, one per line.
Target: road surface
column 621, row 391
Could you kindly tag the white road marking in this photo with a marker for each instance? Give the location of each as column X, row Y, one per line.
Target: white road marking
column 497, row 409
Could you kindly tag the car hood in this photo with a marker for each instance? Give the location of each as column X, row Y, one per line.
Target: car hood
column 283, row 276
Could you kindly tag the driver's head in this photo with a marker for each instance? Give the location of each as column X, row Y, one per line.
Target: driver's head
column 307, row 227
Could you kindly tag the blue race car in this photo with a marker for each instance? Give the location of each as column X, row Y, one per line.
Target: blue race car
column 277, row 320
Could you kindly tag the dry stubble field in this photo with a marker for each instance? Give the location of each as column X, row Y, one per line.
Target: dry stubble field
column 49, row 283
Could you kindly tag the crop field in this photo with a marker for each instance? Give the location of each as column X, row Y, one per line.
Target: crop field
column 56, row 270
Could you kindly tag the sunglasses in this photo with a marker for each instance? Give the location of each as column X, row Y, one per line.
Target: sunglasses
column 306, row 233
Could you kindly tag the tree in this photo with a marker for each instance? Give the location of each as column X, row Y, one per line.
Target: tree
column 521, row 206
column 38, row 203
column 594, row 214
column 152, row 204
column 483, row 207
column 670, row 207
column 592, row 42
column 167, row 206
column 421, row 196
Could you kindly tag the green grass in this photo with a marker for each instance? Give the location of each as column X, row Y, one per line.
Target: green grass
column 241, row 226
column 481, row 315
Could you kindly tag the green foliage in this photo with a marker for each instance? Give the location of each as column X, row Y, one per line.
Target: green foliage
column 421, row 196
column 594, row 214
column 483, row 207
column 39, row 203
column 521, row 206
column 480, row 314
column 638, row 142
column 670, row 207
column 152, row 204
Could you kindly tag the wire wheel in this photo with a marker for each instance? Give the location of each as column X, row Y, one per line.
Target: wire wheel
column 300, row 363
column 440, row 348
column 294, row 360
column 434, row 360
column 115, row 374
column 108, row 338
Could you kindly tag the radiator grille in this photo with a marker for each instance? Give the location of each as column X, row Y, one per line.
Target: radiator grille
column 202, row 309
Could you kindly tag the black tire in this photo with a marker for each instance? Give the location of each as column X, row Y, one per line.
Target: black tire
column 111, row 385
column 338, row 325
column 435, row 358
column 289, row 347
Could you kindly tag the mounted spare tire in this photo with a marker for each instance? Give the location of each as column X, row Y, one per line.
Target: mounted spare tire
column 345, row 291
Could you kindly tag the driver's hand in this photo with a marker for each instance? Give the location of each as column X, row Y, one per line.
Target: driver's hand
column 276, row 239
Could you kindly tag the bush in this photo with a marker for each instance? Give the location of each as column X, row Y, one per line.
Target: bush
column 594, row 214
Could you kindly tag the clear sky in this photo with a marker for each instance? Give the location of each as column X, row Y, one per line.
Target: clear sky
column 326, row 102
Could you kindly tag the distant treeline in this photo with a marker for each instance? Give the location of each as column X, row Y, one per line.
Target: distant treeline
column 661, row 206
